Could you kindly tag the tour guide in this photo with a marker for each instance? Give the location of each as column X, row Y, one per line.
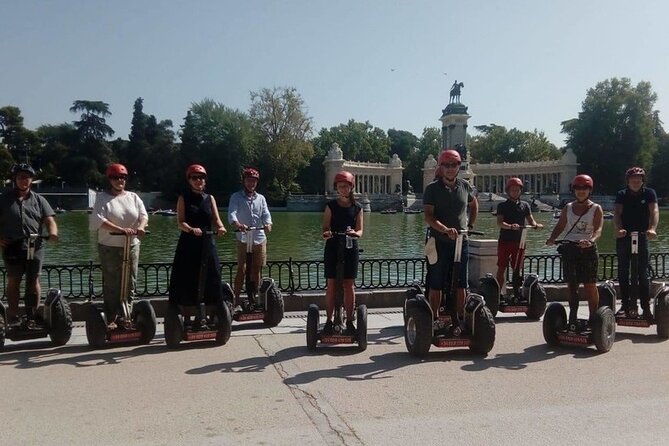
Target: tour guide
column 449, row 206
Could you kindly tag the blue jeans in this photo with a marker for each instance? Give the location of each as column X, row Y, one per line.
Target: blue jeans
column 623, row 250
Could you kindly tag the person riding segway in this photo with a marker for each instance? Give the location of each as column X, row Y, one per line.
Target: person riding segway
column 450, row 209
column 135, row 322
column 120, row 218
column 342, row 226
column 267, row 307
column 24, row 215
column 514, row 218
column 196, row 288
column 579, row 262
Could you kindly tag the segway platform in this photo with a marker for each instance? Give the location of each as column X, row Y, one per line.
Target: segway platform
column 601, row 332
column 315, row 332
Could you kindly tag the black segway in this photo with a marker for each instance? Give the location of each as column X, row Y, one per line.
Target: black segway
column 660, row 315
column 525, row 296
column 269, row 306
column 476, row 330
column 53, row 319
column 600, row 332
column 137, row 322
column 339, row 335
column 211, row 322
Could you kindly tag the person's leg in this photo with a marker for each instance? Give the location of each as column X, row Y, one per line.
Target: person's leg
column 330, row 298
column 349, row 301
column 623, row 254
column 32, row 295
column 502, row 264
column 259, row 260
column 572, row 289
column 644, row 276
column 592, row 294
column 111, row 259
column 463, row 279
column 241, row 270
column 12, row 291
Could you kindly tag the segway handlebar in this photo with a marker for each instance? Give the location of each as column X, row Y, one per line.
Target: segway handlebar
column 123, row 233
column 470, row 232
column 251, row 228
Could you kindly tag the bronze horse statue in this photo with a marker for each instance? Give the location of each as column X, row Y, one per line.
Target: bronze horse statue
column 455, row 92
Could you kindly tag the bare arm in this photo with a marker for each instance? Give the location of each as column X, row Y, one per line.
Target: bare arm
column 52, row 228
column 325, row 226
column 618, row 221
column 651, row 232
column 473, row 208
column 557, row 230
column 181, row 218
column 220, row 228
column 597, row 223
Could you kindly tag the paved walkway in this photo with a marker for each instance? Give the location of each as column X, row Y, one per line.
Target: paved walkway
column 264, row 387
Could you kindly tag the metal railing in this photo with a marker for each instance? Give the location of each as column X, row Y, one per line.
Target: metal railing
column 85, row 280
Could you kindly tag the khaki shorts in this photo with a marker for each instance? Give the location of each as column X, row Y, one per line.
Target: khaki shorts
column 259, row 253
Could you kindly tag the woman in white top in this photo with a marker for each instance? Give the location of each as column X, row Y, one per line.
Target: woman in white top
column 117, row 210
column 583, row 220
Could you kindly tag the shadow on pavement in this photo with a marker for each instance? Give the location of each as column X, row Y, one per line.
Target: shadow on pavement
column 378, row 365
column 519, row 361
column 639, row 338
column 30, row 358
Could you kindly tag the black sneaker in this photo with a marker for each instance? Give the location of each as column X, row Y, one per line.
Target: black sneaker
column 647, row 315
column 350, row 328
column 328, row 328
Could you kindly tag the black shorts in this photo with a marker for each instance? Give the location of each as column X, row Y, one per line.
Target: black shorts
column 17, row 265
column 351, row 257
column 579, row 265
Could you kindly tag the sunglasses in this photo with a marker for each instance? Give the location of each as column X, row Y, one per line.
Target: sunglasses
column 581, row 188
column 118, row 177
column 198, row 177
column 450, row 165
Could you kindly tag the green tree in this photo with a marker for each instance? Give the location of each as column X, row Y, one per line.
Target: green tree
column 613, row 131
column 402, row 143
column 220, row 138
column 428, row 144
column 496, row 144
column 359, row 141
column 57, row 143
column 284, row 129
column 92, row 153
column 17, row 139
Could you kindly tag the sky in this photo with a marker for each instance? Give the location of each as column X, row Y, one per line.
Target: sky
column 526, row 64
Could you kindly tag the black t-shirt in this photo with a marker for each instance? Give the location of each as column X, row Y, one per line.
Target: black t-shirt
column 513, row 212
column 635, row 213
column 342, row 218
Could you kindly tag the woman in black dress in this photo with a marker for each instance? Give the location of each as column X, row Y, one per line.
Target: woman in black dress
column 196, row 213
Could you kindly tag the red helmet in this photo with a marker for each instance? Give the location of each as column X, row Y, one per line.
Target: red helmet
column 632, row 171
column 344, row 176
column 250, row 172
column 195, row 169
column 116, row 169
column 449, row 155
column 582, row 181
column 514, row 182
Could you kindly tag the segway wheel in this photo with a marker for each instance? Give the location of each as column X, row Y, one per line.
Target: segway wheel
column 417, row 329
column 537, row 302
column 61, row 322
column 490, row 292
column 361, row 315
column 662, row 313
column 411, row 293
column 96, row 327
column 555, row 319
column 313, row 317
column 174, row 326
column 604, row 329
column 607, row 295
column 274, row 310
column 145, row 319
column 223, row 322
column 483, row 338
column 3, row 327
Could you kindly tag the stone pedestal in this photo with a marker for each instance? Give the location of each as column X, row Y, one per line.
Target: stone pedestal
column 482, row 260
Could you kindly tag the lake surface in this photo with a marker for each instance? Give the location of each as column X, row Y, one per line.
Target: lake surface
column 297, row 235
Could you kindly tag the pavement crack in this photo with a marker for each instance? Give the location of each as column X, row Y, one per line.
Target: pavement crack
column 332, row 427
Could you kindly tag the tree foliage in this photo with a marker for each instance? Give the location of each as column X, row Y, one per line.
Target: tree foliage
column 221, row 139
column 614, row 130
column 496, row 144
column 284, row 131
